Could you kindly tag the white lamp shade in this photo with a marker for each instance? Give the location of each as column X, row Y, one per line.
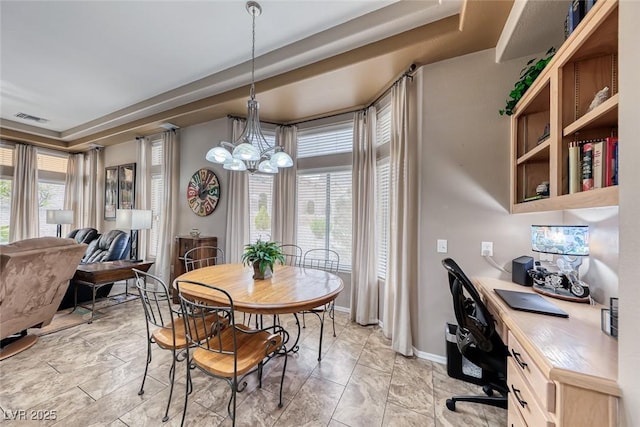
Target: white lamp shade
column 235, row 165
column 59, row 216
column 246, row 151
column 266, row 166
column 133, row 219
column 218, row 155
column 281, row 160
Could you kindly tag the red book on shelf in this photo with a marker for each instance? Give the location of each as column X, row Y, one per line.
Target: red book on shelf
column 610, row 160
column 587, row 166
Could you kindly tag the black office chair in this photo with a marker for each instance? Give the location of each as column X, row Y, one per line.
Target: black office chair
column 477, row 339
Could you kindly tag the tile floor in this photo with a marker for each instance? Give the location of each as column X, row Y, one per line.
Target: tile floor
column 90, row 376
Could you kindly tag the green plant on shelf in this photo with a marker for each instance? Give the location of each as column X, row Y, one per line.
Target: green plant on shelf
column 527, row 76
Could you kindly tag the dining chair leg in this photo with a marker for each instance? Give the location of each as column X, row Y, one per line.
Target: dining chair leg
column 332, row 314
column 146, row 368
column 321, row 332
column 172, row 377
column 186, row 388
column 284, row 369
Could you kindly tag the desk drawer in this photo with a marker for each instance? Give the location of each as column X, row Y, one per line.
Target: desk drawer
column 514, row 417
column 545, row 389
column 525, row 398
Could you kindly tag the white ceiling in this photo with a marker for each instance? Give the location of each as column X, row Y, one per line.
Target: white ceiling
column 89, row 64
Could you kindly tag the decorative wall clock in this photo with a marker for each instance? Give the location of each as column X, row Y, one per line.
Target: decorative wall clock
column 203, row 192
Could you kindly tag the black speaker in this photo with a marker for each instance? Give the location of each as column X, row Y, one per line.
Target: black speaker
column 519, row 268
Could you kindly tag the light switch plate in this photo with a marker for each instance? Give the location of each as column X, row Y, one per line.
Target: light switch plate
column 442, row 246
column 486, row 249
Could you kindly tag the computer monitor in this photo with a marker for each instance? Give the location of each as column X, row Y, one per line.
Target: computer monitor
column 572, row 240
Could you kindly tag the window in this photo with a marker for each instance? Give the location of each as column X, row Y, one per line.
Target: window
column 157, row 196
column 383, row 139
column 324, row 190
column 52, row 171
column 6, row 168
column 260, row 196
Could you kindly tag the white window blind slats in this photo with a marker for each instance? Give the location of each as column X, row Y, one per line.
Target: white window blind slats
column 324, row 213
column 157, row 194
column 260, row 196
column 326, row 140
column 6, row 156
column 383, row 123
column 382, row 215
column 156, row 153
column 52, row 163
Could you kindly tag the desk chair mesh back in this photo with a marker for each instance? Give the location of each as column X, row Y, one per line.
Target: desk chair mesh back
column 477, row 339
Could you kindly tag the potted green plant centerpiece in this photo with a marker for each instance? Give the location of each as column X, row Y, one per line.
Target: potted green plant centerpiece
column 262, row 255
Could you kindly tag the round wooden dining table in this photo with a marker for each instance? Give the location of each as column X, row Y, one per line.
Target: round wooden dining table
column 289, row 290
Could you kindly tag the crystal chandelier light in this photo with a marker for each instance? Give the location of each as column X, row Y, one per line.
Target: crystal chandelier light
column 251, row 151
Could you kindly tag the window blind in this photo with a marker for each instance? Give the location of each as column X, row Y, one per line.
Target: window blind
column 6, row 156
column 383, row 124
column 382, row 215
column 326, row 140
column 260, row 196
column 324, row 213
column 50, row 163
column 157, row 196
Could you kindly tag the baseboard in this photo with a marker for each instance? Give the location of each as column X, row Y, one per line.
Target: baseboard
column 342, row 309
column 423, row 354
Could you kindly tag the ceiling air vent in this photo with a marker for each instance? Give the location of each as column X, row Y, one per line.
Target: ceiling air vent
column 32, row 118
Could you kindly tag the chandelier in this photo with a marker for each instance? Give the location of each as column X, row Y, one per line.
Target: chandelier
column 251, row 151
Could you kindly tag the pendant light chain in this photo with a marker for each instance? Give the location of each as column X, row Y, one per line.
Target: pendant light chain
column 253, row 53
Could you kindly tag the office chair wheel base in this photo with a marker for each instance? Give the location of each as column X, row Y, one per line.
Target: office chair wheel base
column 451, row 404
column 488, row 390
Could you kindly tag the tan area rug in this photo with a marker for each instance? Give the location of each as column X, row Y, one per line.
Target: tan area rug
column 69, row 317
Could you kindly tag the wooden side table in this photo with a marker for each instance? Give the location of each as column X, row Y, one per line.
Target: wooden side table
column 182, row 245
column 99, row 274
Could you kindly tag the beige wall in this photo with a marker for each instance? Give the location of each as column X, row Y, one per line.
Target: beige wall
column 629, row 129
column 195, row 141
column 464, row 183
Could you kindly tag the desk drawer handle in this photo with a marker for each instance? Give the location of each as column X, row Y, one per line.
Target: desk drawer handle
column 516, row 393
column 518, row 358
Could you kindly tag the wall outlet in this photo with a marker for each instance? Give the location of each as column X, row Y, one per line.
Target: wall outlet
column 486, row 249
column 441, row 247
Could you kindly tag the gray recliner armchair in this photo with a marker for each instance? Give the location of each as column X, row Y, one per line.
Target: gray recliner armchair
column 84, row 235
column 111, row 246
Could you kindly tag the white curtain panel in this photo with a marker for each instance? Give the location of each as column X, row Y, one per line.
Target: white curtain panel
column 237, row 234
column 23, row 223
column 143, row 190
column 94, row 175
column 403, row 231
column 283, row 217
column 364, row 278
column 74, row 191
column 168, row 217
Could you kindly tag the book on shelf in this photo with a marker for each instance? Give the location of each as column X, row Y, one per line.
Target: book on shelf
column 587, row 166
column 598, row 169
column 576, row 13
column 611, row 161
column 575, row 172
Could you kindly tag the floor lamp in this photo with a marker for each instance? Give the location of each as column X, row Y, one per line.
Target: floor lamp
column 134, row 220
column 59, row 217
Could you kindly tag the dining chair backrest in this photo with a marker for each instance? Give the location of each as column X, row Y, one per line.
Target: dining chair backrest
column 292, row 255
column 203, row 256
column 215, row 333
column 156, row 301
column 322, row 259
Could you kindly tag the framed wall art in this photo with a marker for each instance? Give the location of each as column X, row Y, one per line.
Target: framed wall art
column 126, row 186
column 110, row 192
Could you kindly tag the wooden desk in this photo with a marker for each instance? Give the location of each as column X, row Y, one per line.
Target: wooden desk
column 566, row 370
column 99, row 274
